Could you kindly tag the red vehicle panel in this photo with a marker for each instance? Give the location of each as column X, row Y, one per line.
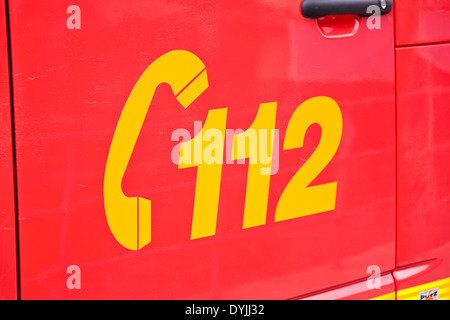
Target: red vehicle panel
column 8, row 284
column 427, row 280
column 423, row 155
column 98, row 190
column 422, row 21
column 224, row 150
column 365, row 289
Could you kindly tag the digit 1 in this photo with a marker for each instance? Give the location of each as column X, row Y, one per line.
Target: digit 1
column 258, row 179
column 209, row 172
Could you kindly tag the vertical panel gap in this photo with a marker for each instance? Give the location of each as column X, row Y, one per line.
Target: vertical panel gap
column 13, row 138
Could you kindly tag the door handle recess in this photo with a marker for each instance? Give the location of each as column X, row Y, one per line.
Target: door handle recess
column 314, row 9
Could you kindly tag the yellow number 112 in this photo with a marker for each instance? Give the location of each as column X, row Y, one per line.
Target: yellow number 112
column 298, row 198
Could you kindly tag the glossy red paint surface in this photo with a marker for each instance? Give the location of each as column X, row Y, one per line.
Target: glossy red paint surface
column 419, row 274
column 70, row 89
column 422, row 21
column 423, row 219
column 360, row 290
column 8, row 283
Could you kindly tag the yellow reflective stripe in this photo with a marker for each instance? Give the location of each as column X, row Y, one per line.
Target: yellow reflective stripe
column 444, row 294
column 413, row 293
column 389, row 296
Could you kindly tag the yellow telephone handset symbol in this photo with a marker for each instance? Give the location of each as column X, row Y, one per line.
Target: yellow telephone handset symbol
column 129, row 218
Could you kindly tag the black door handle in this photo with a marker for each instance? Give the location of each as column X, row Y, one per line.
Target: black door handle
column 319, row 8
